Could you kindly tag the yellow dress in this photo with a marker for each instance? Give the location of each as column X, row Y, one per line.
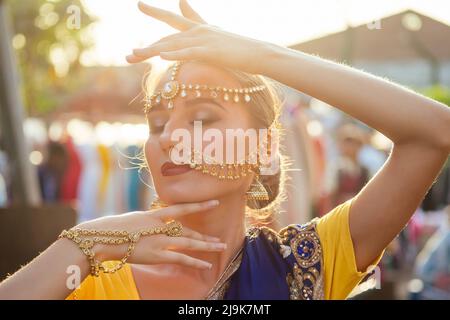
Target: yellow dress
column 340, row 274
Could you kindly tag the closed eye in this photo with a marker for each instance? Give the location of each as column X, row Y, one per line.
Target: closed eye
column 156, row 124
column 209, row 101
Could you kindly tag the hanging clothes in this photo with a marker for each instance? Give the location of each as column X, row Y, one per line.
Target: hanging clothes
column 71, row 178
column 133, row 182
column 105, row 168
column 299, row 193
column 114, row 197
column 89, row 181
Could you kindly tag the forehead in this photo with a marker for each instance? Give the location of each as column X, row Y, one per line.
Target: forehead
column 201, row 73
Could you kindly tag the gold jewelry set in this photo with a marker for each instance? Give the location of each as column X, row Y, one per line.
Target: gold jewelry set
column 87, row 238
column 172, row 89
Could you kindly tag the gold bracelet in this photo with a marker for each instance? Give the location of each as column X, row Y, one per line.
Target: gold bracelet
column 87, row 238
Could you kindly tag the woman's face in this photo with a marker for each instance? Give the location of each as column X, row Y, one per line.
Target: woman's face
column 214, row 113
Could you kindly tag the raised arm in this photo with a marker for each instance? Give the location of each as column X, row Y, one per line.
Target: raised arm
column 419, row 127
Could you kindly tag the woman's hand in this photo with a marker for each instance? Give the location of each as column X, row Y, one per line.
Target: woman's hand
column 156, row 249
column 200, row 41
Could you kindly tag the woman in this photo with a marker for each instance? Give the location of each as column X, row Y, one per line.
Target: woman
column 207, row 252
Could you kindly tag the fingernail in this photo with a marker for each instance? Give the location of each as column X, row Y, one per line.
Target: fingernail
column 214, row 239
column 208, row 265
column 212, row 203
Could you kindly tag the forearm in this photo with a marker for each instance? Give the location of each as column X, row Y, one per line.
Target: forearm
column 398, row 113
column 46, row 277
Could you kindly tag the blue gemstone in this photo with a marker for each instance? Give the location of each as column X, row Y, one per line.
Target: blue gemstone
column 306, row 249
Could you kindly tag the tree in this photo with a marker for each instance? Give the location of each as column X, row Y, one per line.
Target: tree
column 49, row 39
column 439, row 93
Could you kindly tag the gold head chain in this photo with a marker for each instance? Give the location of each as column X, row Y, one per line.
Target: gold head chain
column 173, row 88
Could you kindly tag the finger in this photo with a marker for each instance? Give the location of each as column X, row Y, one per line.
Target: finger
column 187, row 232
column 190, row 13
column 156, row 48
column 191, row 33
column 183, row 259
column 192, row 244
column 179, row 210
column 194, row 53
column 134, row 59
column 172, row 19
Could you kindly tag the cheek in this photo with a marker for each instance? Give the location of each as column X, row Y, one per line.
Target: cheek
column 152, row 154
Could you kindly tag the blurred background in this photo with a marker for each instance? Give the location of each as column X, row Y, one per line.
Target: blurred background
column 72, row 126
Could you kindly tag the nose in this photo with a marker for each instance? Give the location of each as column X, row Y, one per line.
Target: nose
column 165, row 139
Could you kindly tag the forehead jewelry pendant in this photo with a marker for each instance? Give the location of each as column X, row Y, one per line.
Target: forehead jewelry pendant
column 169, row 91
column 171, row 87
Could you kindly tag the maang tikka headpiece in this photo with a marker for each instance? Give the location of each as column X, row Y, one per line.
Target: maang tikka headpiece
column 172, row 88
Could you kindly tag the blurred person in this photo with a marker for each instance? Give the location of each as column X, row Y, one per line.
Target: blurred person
column 439, row 194
column 51, row 172
column 349, row 175
column 433, row 264
column 194, row 243
column 370, row 157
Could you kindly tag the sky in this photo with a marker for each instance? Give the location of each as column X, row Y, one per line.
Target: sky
column 122, row 27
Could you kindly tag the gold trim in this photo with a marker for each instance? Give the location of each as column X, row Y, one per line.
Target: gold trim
column 217, row 292
column 229, row 94
column 305, row 269
column 305, row 281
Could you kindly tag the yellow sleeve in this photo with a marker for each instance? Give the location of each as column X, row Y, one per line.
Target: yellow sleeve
column 116, row 286
column 86, row 290
column 340, row 272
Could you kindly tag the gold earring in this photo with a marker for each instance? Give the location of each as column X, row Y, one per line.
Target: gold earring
column 158, row 204
column 257, row 191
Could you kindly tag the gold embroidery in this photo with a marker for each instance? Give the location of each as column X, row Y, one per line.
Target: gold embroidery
column 219, row 289
column 275, row 237
column 306, row 280
column 253, row 232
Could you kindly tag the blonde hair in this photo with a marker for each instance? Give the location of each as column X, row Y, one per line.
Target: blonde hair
column 265, row 109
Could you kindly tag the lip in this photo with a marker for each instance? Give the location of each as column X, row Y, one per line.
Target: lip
column 172, row 169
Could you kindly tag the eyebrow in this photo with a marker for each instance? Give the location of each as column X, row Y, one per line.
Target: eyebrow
column 192, row 102
column 203, row 100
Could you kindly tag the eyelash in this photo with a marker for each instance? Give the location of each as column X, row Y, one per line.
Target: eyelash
column 157, row 129
column 204, row 121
